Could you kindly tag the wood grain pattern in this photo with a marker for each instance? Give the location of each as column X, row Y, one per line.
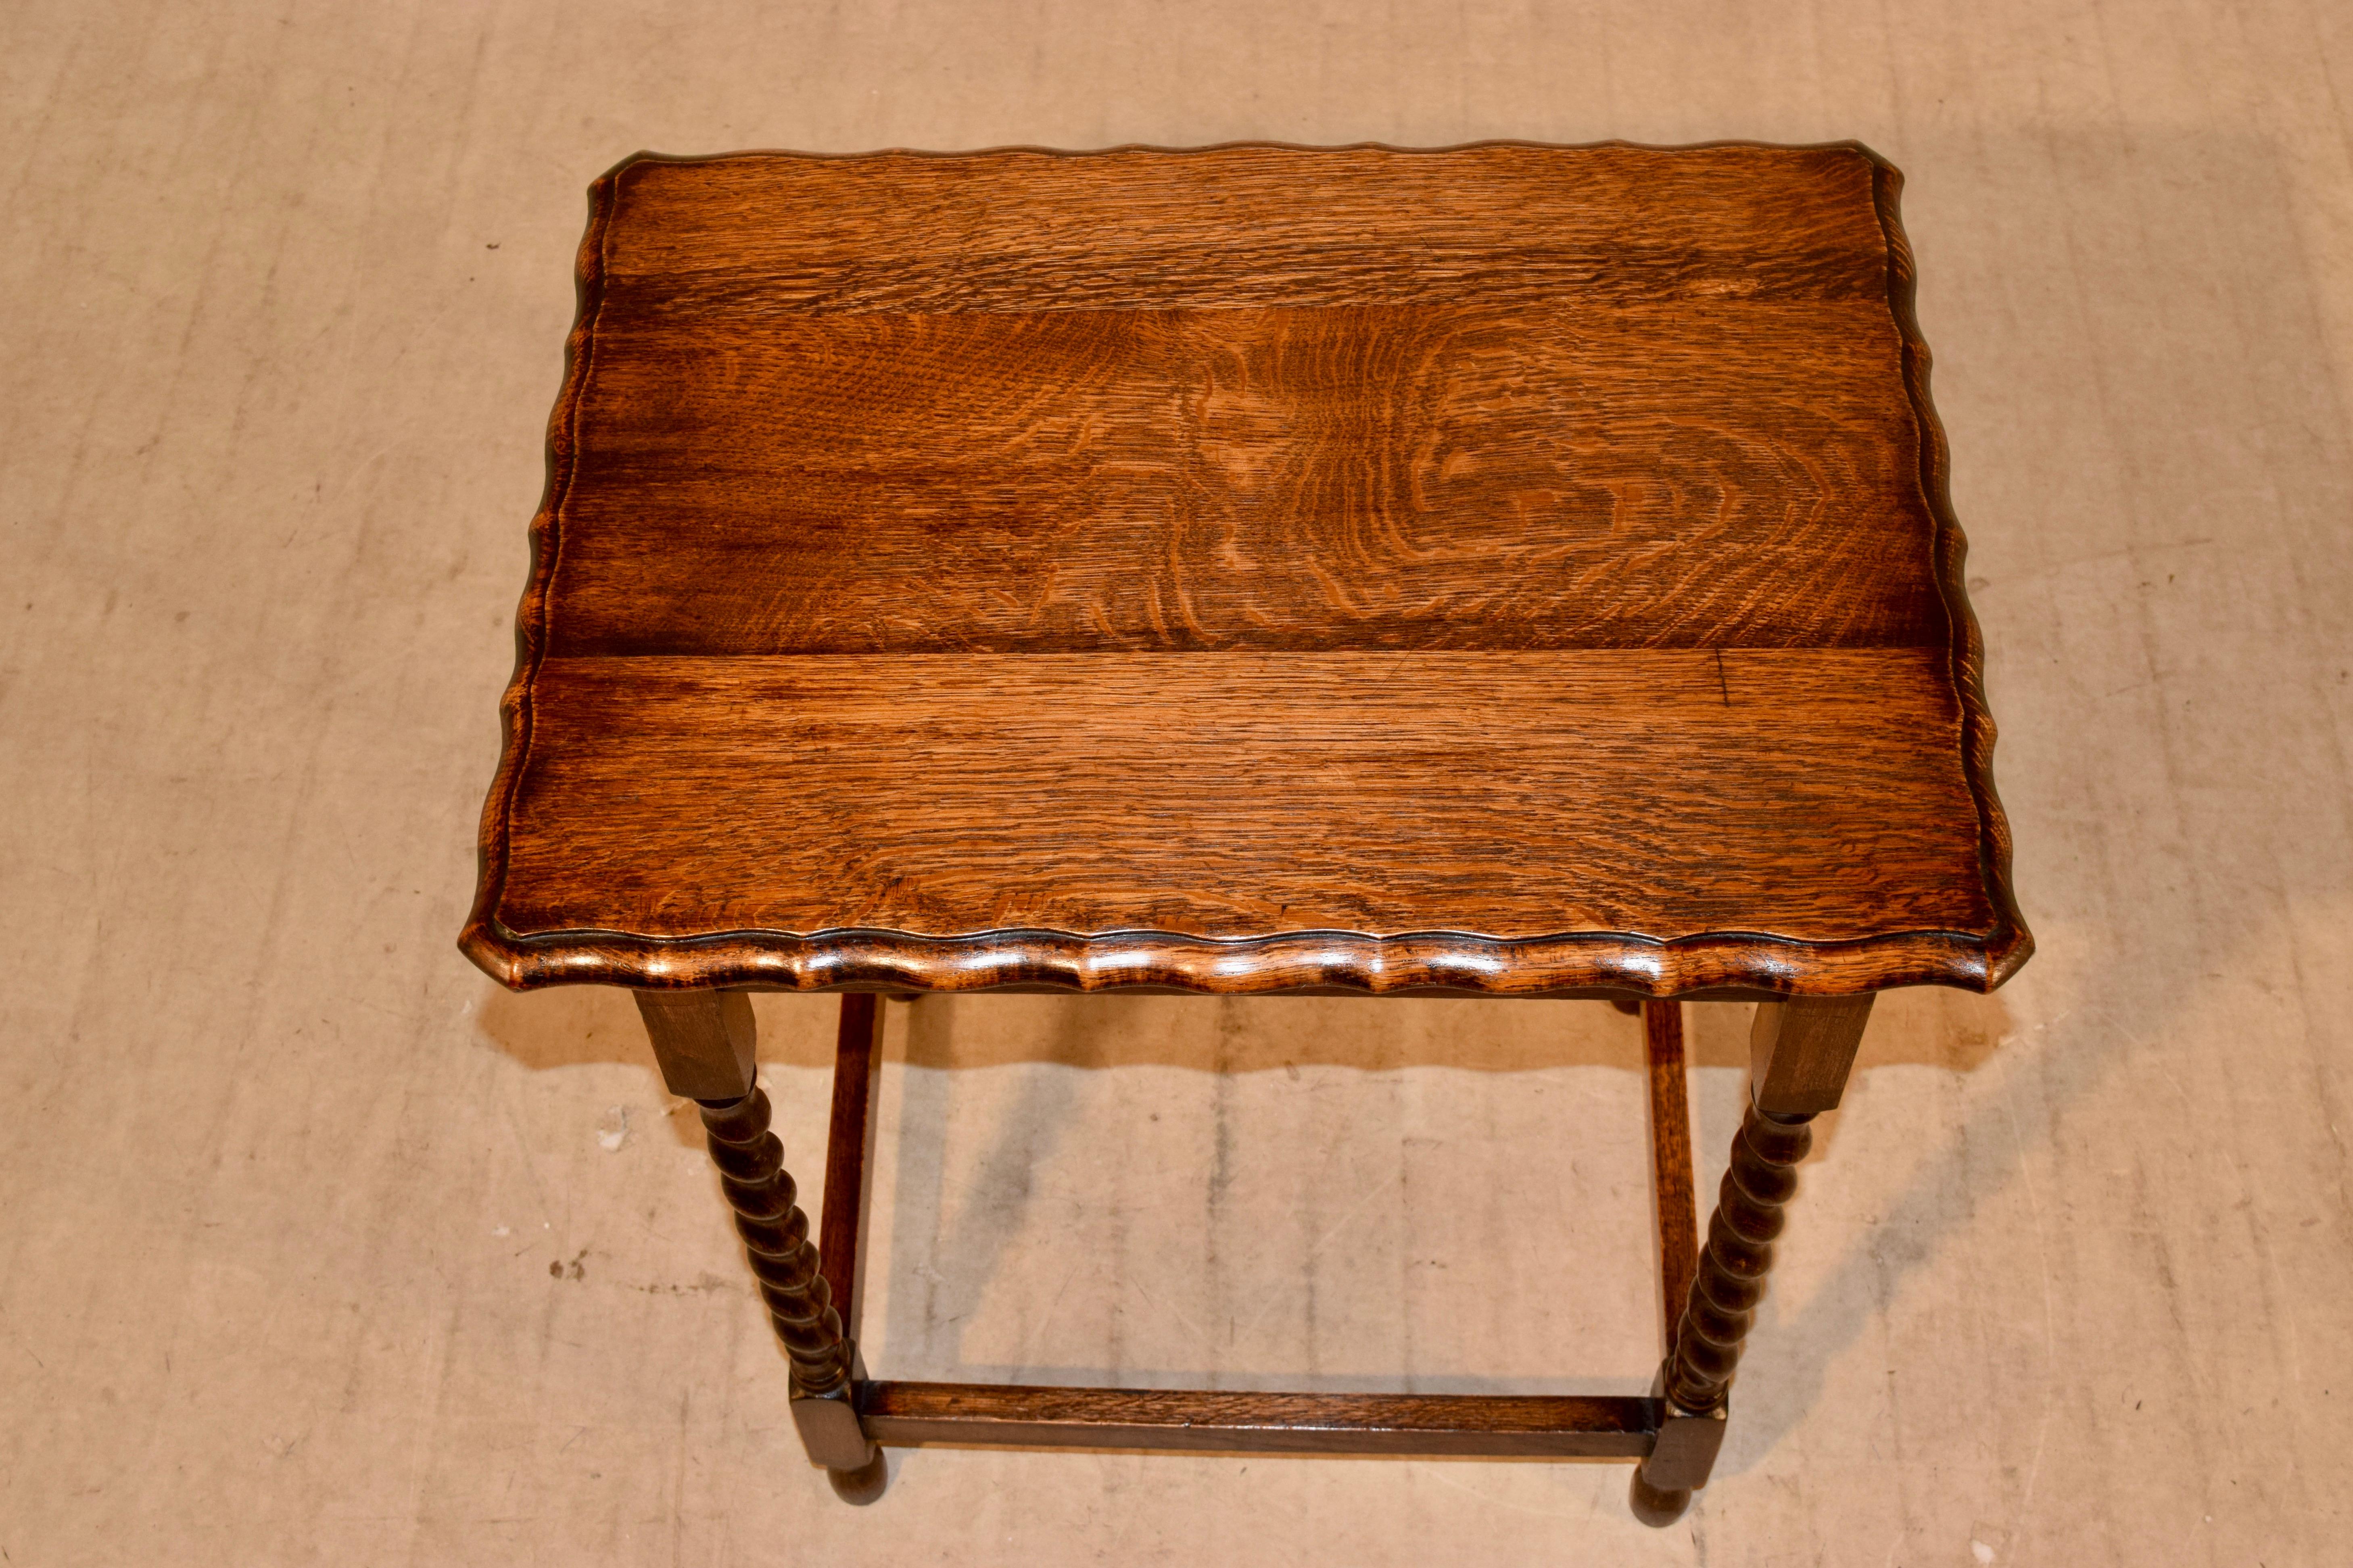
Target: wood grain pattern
column 1589, row 1426
column 1593, row 345
column 1241, row 225
column 849, row 1141
column 1437, row 476
column 1672, row 1182
column 706, row 1042
column 1225, row 795
column 1801, row 1050
column 878, row 486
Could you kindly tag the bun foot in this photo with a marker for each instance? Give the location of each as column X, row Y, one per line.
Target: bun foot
column 1654, row 1508
column 864, row 1484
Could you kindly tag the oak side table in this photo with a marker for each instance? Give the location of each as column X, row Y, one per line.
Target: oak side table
column 1509, row 571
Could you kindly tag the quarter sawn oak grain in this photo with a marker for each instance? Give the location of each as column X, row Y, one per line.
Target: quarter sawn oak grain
column 1344, row 478
column 1509, row 569
column 1226, row 795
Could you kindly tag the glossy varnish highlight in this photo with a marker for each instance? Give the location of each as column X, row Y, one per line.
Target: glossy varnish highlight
column 1512, row 568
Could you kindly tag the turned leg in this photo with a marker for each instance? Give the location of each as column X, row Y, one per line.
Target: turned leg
column 704, row 1041
column 1799, row 1053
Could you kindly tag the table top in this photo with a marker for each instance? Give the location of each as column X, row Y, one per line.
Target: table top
column 1508, row 569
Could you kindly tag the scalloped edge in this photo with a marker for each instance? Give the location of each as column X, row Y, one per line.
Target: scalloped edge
column 1461, row 963
column 2009, row 936
column 1732, row 964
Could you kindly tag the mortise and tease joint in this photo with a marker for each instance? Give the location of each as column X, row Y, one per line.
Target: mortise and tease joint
column 1685, row 1452
column 1801, row 1051
column 828, row 1423
column 704, row 1039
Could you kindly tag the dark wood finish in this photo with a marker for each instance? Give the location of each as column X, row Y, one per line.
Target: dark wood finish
column 834, row 1437
column 707, row 1043
column 1739, row 1254
column 1508, row 570
column 703, row 1040
column 1512, row 570
column 1261, row 454
column 1654, row 1507
column 1671, row 1159
column 849, row 1141
column 1341, row 805
column 1720, row 1307
column 1573, row 1427
column 1684, row 1454
column 776, row 1239
column 1800, row 1050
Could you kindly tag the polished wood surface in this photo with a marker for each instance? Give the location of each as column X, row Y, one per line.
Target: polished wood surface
column 1750, row 1211
column 1801, row 1050
column 1513, row 569
column 849, row 1142
column 1560, row 1426
column 1230, row 794
column 1672, row 1185
column 768, row 1217
column 706, row 1042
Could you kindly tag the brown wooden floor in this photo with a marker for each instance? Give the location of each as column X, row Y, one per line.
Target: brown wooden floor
column 315, row 1246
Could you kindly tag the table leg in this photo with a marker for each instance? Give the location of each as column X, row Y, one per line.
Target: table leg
column 704, row 1041
column 1799, row 1054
